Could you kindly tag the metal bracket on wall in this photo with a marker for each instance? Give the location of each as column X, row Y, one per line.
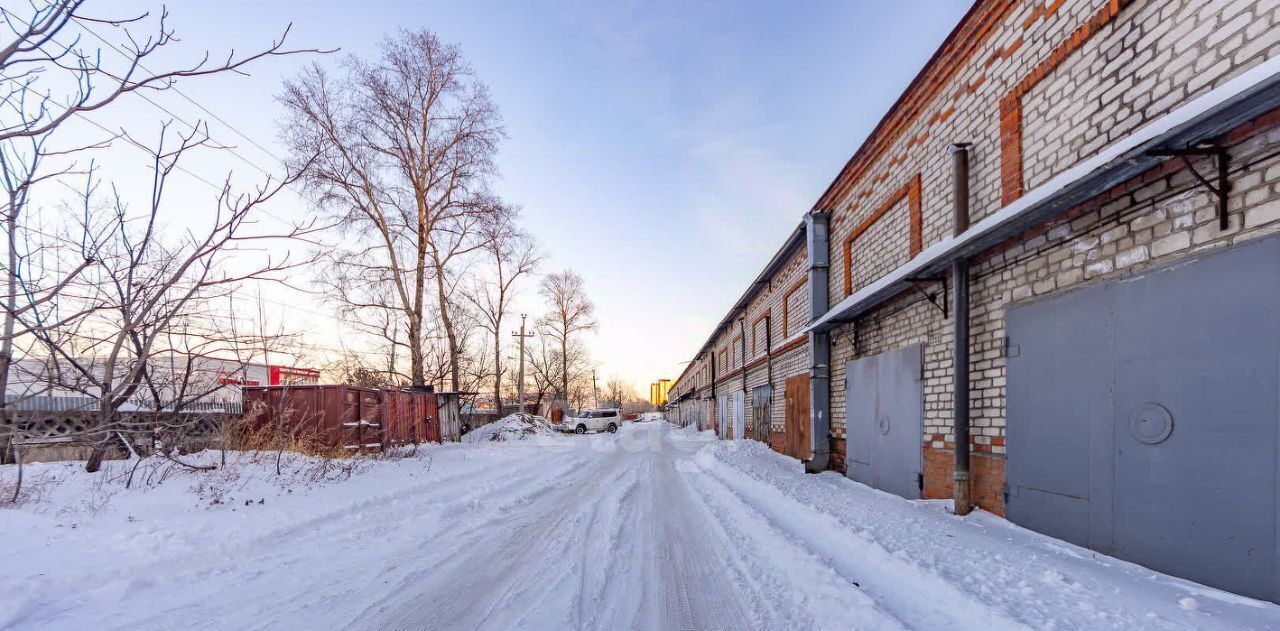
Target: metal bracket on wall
column 935, row 298
column 1223, row 161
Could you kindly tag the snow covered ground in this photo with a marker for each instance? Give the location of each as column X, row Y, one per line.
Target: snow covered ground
column 651, row 528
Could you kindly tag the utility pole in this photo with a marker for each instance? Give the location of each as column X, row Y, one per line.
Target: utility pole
column 595, row 392
column 520, row 380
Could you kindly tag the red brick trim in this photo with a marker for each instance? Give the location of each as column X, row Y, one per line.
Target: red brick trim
column 1011, row 172
column 838, row 451
column 965, row 40
column 1010, row 150
column 789, row 346
column 909, row 191
column 1254, row 127
column 727, row 378
column 786, row 308
column 986, row 473
column 754, row 324
column 1263, row 123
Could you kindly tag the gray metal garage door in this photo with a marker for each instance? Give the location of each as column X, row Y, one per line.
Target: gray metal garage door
column 884, row 409
column 1143, row 417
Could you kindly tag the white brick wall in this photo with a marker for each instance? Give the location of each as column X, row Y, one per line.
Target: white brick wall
column 1150, row 58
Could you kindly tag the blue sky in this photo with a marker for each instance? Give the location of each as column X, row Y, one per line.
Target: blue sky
column 660, row 149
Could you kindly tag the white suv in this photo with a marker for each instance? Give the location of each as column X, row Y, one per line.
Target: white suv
column 604, row 420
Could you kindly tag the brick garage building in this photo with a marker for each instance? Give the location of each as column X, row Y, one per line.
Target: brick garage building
column 737, row 382
column 1094, row 184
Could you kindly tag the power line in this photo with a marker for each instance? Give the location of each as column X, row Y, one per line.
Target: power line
column 133, row 58
column 224, row 146
column 140, row 146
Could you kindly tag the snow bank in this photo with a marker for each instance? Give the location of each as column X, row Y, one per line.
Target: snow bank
column 692, row 431
column 241, row 547
column 980, row 571
column 515, row 427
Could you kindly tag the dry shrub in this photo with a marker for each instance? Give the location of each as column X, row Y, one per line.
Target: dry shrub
column 306, row 456
column 35, row 488
column 248, row 434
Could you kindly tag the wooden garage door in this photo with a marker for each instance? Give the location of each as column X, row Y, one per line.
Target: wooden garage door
column 761, row 401
column 797, row 418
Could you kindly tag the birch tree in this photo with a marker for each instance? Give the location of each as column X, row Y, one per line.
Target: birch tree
column 570, row 314
column 406, row 145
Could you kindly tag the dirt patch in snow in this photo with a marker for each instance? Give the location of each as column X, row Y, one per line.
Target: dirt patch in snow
column 514, row 427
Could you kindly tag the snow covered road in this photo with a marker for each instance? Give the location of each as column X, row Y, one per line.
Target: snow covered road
column 654, row 528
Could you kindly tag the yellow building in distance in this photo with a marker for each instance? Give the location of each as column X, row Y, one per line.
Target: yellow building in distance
column 658, row 392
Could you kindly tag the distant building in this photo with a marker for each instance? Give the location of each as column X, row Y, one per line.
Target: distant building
column 202, row 383
column 658, row 392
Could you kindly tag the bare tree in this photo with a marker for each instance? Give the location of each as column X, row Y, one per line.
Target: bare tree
column 48, row 76
column 406, row 146
column 48, row 36
column 142, row 285
column 618, row 392
column 512, row 254
column 570, row 313
column 352, row 369
column 544, row 369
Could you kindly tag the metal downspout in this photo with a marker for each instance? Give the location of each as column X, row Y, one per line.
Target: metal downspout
column 714, row 408
column 768, row 350
column 960, row 337
column 742, row 356
column 817, row 225
column 742, row 363
column 768, row 360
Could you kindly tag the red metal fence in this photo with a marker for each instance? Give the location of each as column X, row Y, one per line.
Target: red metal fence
column 344, row 417
column 411, row 417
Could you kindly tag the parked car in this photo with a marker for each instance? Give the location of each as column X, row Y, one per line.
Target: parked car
column 602, row 420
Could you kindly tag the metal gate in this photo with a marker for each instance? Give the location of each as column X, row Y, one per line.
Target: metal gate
column 884, row 416
column 797, row 418
column 1143, row 417
column 761, row 401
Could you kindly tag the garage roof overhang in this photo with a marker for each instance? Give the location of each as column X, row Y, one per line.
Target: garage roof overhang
column 794, row 240
column 1253, row 93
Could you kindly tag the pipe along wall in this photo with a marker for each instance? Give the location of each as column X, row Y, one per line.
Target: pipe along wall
column 960, row 337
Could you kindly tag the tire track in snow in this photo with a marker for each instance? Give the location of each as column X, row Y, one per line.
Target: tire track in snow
column 704, row 573
column 801, row 591
column 511, row 557
column 917, row 597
